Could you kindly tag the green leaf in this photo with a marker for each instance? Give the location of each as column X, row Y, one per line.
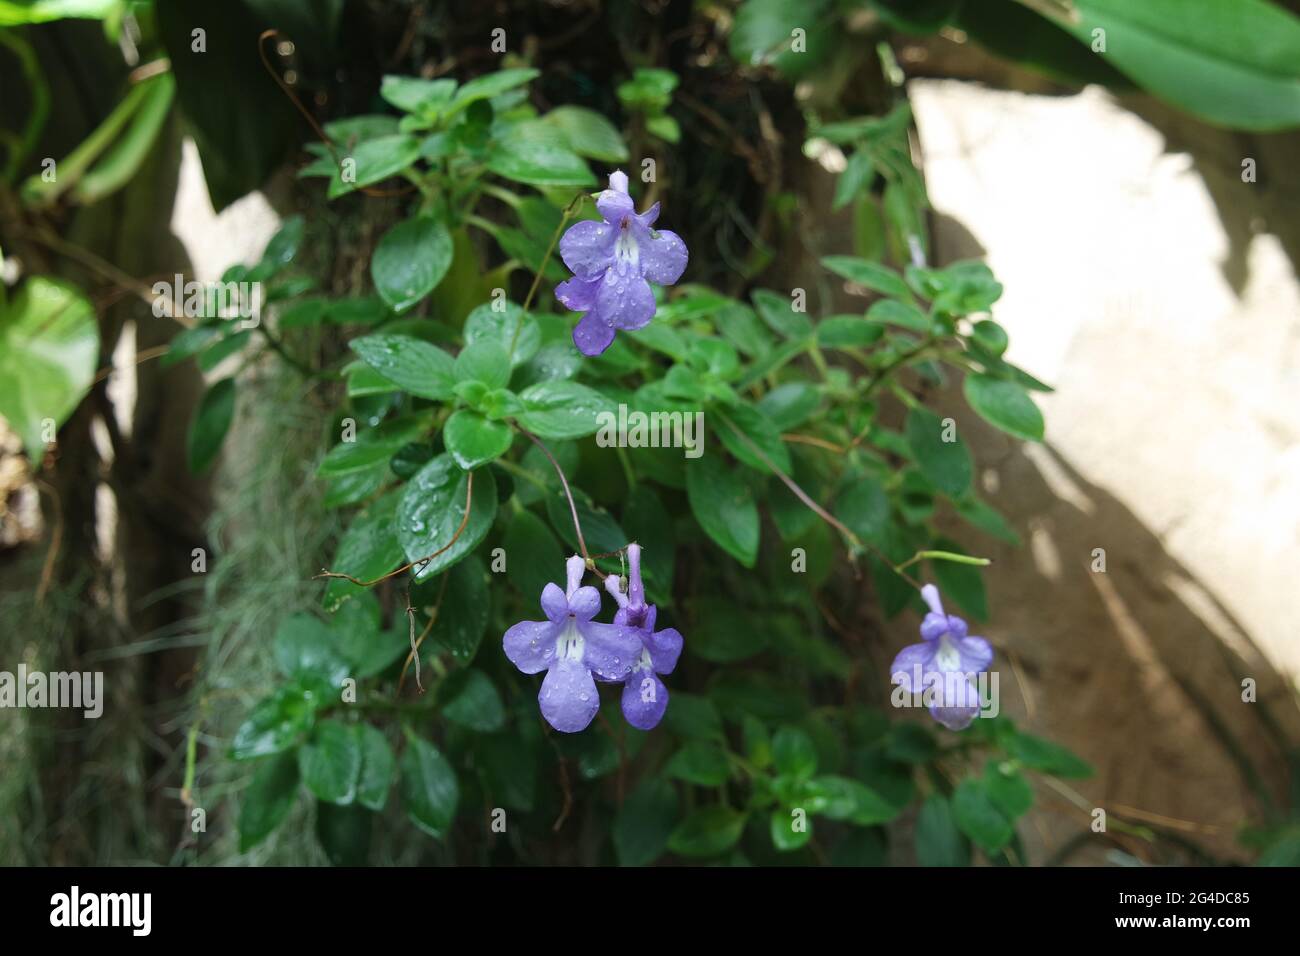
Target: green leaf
column 790, row 828
column 473, row 440
column 509, row 325
column 211, row 422
column 588, row 133
column 284, row 245
column 430, row 792
column 990, row 336
column 663, row 126
column 864, row 507
column 709, row 831
column 842, row 798
column 1008, row 789
column 857, row 178
column 344, row 833
column 724, row 506
column 847, row 331
column 562, row 409
column 902, row 314
column 267, row 800
column 763, row 32
column 790, row 405
column 537, row 153
column 413, row 94
column 649, row 90
column 377, row 766
column 793, row 753
column 372, row 161
column 275, row 724
column 374, row 445
column 701, row 762
column 486, row 361
column 947, row 464
column 1005, row 405
column 533, row 556
column 303, row 648
column 1233, row 64
column 410, row 261
column 431, row 511
column 409, row 363
column 19, row 12
column 872, row 275
column 49, row 347
column 330, row 762
column 368, row 549
column 938, row 841
column 724, row 632
column 470, row 699
column 977, row 816
column 761, row 434
column 778, row 312
column 492, row 84
column 1043, row 755
column 463, row 615
column 644, row 823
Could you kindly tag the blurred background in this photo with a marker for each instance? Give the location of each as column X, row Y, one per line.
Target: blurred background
column 1145, row 231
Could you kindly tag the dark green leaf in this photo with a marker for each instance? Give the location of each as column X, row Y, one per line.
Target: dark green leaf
column 331, row 762
column 409, row 363
column 645, row 821
column 947, row 464
column 211, row 422
column 977, row 816
column 410, row 261
column 938, row 841
column 1005, row 405
column 473, row 440
column 709, row 831
column 430, row 513
column 469, row 699
column 724, row 506
column 267, row 800
column 430, row 792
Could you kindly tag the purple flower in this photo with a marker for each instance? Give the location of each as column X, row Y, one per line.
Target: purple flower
column 570, row 647
column 645, row 698
column 943, row 666
column 611, row 261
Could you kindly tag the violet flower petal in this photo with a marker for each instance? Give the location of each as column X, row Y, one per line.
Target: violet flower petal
column 591, row 335
column 624, row 299
column 587, row 248
column 568, row 697
column 609, row 651
column 530, row 645
column 645, row 699
column 663, row 256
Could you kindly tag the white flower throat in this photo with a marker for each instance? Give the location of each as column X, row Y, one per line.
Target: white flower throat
column 569, row 646
column 626, row 249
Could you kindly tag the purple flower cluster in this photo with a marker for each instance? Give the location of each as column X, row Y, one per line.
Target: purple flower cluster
column 944, row 665
column 611, row 261
column 576, row 651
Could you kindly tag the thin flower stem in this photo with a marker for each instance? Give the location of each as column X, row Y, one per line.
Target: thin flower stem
column 858, row 545
column 569, row 210
column 414, row 655
column 469, row 501
column 942, row 556
column 564, row 483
